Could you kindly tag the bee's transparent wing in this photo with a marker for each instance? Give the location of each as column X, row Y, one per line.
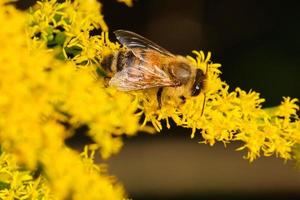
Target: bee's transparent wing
column 134, row 42
column 141, row 77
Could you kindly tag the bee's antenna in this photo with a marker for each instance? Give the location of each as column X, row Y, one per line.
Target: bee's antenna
column 204, row 97
column 203, row 106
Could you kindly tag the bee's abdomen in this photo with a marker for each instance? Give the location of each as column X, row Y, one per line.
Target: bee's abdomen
column 107, row 62
column 124, row 59
column 120, row 60
column 117, row 61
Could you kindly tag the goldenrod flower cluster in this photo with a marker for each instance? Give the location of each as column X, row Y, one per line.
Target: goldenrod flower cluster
column 44, row 99
column 52, row 83
column 231, row 116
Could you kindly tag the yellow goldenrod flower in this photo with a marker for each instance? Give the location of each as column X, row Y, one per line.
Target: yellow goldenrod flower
column 52, row 83
column 229, row 116
column 17, row 183
column 39, row 94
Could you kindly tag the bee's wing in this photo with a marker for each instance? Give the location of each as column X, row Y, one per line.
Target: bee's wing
column 141, row 77
column 135, row 42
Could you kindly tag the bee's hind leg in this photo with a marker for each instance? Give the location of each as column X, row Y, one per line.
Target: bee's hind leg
column 159, row 96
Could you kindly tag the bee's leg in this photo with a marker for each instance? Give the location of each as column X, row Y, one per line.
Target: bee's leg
column 106, row 81
column 183, row 99
column 159, row 96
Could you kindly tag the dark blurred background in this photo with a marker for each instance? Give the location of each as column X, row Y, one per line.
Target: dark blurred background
column 257, row 43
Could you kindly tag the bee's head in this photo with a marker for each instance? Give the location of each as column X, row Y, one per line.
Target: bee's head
column 191, row 78
column 198, row 84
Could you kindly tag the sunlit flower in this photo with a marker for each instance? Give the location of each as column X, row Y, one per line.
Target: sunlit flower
column 40, row 94
column 52, row 84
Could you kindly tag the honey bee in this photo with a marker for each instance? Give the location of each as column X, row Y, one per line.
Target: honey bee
column 143, row 65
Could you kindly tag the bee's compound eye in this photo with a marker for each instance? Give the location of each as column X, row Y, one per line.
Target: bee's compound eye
column 196, row 90
column 197, row 86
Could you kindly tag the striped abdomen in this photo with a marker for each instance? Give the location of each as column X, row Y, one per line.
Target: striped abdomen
column 115, row 62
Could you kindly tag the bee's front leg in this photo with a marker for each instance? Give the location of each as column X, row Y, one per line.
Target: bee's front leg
column 159, row 96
